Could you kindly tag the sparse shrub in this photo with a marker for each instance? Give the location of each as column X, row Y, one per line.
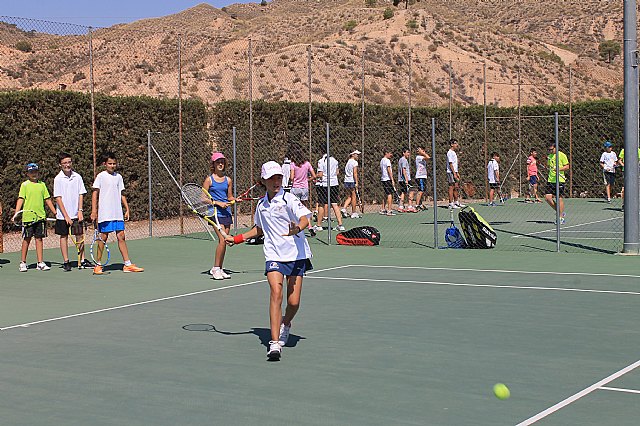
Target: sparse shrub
column 350, row 25
column 550, row 56
column 24, row 46
column 371, row 3
column 394, row 39
column 412, row 24
column 388, row 13
column 79, row 76
column 608, row 50
column 432, row 48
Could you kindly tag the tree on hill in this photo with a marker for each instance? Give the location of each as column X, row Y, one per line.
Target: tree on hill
column 609, row 49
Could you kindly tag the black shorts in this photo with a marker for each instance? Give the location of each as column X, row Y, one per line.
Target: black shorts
column 422, row 184
column 451, row 178
column 403, row 187
column 387, row 185
column 494, row 185
column 34, row 229
column 323, row 194
column 62, row 227
column 551, row 188
column 608, row 177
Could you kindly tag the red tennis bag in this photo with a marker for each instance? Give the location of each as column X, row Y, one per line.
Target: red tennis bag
column 360, row 236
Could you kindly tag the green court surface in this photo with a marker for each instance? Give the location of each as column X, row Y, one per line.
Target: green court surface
column 384, row 336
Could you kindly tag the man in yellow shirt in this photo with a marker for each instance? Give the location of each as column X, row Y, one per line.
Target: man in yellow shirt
column 550, row 191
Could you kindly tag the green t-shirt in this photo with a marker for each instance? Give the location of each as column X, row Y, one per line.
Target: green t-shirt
column 621, row 156
column 34, row 194
column 551, row 162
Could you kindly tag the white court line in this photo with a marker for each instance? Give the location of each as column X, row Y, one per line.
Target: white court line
column 620, row 390
column 573, row 398
column 445, row 283
column 500, row 271
column 567, row 227
column 146, row 302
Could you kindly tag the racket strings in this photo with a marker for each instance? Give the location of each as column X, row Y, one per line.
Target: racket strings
column 194, row 196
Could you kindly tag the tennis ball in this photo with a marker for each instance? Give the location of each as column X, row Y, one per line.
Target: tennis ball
column 501, row 391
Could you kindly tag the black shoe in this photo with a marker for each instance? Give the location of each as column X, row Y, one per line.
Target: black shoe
column 86, row 264
column 66, row 266
column 312, row 232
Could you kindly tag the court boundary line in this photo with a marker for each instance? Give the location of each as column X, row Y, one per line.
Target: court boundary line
column 578, row 395
column 147, row 302
column 620, row 389
column 453, row 284
column 567, row 227
column 503, row 271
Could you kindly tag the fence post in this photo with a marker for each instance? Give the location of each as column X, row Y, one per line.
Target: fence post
column 327, row 179
column 410, row 92
column 93, row 107
column 570, row 131
column 251, row 111
column 484, row 120
column 557, row 183
column 361, row 174
column 519, row 156
column 150, row 185
column 435, row 185
column 450, row 98
column 235, row 183
column 181, row 212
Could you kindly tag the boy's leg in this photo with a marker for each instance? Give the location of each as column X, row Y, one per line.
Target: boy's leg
column 25, row 248
column 64, row 247
column 561, row 206
column 336, row 210
column 389, row 202
column 550, row 200
column 39, row 249
column 294, row 290
column 353, row 201
column 122, row 245
column 451, row 194
column 275, row 280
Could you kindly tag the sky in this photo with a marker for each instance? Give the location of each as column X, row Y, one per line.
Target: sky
column 100, row 13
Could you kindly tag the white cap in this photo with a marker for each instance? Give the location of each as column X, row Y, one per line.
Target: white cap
column 269, row 169
column 356, row 152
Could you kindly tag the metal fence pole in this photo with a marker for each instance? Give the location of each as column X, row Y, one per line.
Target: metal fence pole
column 235, row 183
column 328, row 181
column 93, row 107
column 484, row 121
column 570, row 131
column 410, row 92
column 150, row 186
column 519, row 156
column 361, row 165
column 435, row 186
column 557, row 183
column 251, row 111
column 631, row 194
column 450, row 99
column 181, row 212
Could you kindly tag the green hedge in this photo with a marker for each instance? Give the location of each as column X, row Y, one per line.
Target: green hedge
column 36, row 125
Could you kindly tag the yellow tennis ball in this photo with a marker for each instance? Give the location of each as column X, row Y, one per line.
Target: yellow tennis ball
column 501, row 391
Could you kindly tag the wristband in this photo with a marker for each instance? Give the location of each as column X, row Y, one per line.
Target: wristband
column 238, row 239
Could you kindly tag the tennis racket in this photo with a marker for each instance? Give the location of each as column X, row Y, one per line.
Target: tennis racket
column 201, row 203
column 98, row 248
column 359, row 201
column 76, row 233
column 251, row 194
column 24, row 218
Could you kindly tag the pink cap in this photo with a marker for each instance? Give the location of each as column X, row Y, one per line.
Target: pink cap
column 269, row 169
column 217, row 156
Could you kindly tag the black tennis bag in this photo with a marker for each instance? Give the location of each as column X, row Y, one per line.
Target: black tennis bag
column 478, row 233
column 360, row 236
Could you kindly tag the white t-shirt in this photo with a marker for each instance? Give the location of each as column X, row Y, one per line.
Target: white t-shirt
column 69, row 188
column 492, row 168
column 274, row 217
column 286, row 173
column 333, row 170
column 421, row 167
column 109, row 198
column 348, row 170
column 403, row 164
column 384, row 164
column 452, row 159
column 609, row 159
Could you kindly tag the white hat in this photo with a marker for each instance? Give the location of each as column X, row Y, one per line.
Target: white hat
column 269, row 169
column 355, row 152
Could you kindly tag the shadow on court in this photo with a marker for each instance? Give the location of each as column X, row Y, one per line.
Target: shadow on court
column 264, row 334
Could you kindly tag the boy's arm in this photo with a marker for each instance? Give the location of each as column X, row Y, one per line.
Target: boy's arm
column 63, row 210
column 49, row 204
column 94, row 204
column 355, row 175
column 126, row 207
column 19, row 204
column 254, row 232
column 390, row 173
column 80, row 212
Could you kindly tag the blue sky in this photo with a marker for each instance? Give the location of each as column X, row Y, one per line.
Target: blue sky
column 101, row 13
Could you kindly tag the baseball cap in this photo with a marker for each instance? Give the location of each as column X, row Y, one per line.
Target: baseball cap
column 355, row 152
column 269, row 169
column 217, row 156
column 32, row 167
column 607, row 144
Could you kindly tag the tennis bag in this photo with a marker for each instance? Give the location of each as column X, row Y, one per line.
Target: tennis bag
column 453, row 237
column 478, row 233
column 359, row 236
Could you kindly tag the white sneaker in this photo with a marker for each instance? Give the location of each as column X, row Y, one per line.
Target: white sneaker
column 344, row 213
column 225, row 275
column 318, row 228
column 284, row 334
column 42, row 267
column 454, row 206
column 211, row 271
column 460, row 205
column 23, row 267
column 275, row 351
column 382, row 212
column 355, row 216
column 217, row 275
column 339, row 228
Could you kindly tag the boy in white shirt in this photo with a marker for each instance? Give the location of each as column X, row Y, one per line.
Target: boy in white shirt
column 493, row 174
column 351, row 184
column 281, row 218
column 453, row 176
column 386, row 177
column 68, row 192
column 421, row 175
column 106, row 208
column 608, row 162
column 404, row 182
column 328, row 178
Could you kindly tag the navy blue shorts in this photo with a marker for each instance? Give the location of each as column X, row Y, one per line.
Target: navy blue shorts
column 225, row 220
column 294, row 268
column 533, row 179
column 422, row 184
column 349, row 185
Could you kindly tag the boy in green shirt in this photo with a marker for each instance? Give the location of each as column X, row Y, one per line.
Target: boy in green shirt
column 550, row 191
column 32, row 198
column 621, row 163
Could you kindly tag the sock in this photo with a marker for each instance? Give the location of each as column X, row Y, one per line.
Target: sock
column 127, row 263
column 216, row 268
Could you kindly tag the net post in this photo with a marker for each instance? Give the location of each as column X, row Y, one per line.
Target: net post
column 328, row 181
column 235, row 180
column 150, row 186
column 557, row 165
column 435, row 186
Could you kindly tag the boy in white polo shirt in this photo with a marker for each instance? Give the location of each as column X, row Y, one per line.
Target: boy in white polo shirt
column 106, row 208
column 281, row 218
column 68, row 192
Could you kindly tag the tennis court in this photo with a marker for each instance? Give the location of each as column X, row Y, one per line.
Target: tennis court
column 417, row 337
